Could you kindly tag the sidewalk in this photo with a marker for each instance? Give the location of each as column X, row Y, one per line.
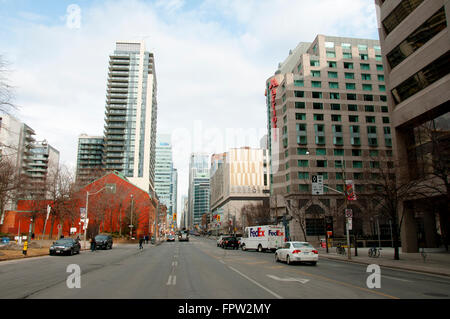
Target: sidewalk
column 435, row 262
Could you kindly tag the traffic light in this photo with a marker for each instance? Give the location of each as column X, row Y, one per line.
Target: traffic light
column 329, row 225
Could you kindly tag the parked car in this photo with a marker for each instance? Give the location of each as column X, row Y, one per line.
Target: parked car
column 171, row 238
column 297, row 251
column 183, row 235
column 219, row 240
column 230, row 242
column 103, row 241
column 65, row 246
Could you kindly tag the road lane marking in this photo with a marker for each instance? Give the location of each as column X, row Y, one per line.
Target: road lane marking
column 174, row 263
column 172, row 280
column 222, row 261
column 393, row 278
column 256, row 283
column 301, row 280
column 346, row 284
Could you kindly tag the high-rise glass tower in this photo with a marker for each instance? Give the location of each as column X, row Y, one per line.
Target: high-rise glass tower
column 199, row 188
column 131, row 113
column 165, row 174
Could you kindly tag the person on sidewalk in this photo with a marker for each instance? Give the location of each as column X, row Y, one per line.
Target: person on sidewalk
column 141, row 242
column 93, row 244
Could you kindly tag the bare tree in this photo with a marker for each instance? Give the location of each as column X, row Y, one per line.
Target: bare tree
column 257, row 214
column 297, row 214
column 390, row 188
column 10, row 182
column 6, row 90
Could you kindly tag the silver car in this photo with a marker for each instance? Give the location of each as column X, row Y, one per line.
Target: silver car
column 297, row 251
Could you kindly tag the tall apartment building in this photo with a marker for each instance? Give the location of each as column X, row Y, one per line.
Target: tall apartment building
column 238, row 178
column 174, row 190
column 184, row 213
column 199, row 191
column 165, row 174
column 89, row 158
column 43, row 162
column 327, row 115
column 415, row 41
column 131, row 113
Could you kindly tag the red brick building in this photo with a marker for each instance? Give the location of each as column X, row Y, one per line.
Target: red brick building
column 110, row 212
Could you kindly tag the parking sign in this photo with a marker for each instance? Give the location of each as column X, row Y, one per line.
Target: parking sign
column 317, row 185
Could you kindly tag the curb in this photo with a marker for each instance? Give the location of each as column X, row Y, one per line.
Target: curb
column 392, row 267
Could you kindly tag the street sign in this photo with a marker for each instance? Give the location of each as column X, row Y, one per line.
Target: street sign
column 82, row 212
column 329, row 233
column 317, row 185
column 349, row 223
column 348, row 213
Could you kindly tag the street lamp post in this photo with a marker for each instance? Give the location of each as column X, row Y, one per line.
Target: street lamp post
column 131, row 218
column 111, row 188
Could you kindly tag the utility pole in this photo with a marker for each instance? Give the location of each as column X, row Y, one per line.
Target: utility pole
column 131, row 218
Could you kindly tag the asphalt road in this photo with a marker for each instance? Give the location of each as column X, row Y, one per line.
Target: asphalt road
column 199, row 269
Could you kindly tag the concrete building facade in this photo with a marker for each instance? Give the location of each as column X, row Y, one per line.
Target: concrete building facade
column 238, row 178
column 327, row 115
column 165, row 177
column 199, row 189
column 415, row 42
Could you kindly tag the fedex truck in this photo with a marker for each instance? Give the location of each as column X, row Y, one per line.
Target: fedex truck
column 261, row 238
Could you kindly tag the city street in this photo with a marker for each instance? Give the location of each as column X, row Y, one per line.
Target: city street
column 199, row 269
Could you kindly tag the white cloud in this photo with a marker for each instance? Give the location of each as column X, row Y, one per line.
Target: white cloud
column 211, row 62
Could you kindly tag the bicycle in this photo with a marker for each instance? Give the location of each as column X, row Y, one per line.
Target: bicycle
column 340, row 250
column 374, row 252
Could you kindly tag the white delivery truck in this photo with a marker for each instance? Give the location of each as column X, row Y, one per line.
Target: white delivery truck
column 261, row 238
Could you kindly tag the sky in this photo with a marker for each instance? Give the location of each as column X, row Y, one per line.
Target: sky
column 212, row 59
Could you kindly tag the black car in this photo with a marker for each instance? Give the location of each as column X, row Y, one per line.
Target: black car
column 65, row 246
column 231, row 241
column 103, row 242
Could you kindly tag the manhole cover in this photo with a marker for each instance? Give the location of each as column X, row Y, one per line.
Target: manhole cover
column 435, row 294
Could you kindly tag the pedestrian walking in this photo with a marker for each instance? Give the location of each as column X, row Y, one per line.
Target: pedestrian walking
column 146, row 239
column 141, row 241
column 93, row 244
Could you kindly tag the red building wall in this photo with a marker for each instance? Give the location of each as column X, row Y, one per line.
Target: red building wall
column 105, row 210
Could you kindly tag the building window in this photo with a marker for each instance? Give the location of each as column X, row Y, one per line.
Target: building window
column 378, row 57
column 320, row 140
column 321, row 163
column 365, row 76
column 365, row 66
column 299, row 93
column 382, row 88
column 318, row 117
column 364, row 56
column 303, row 187
column 371, row 130
column 385, row 120
column 335, row 118
column 383, row 98
column 333, row 75
column 373, row 153
column 369, row 108
column 335, row 107
column 337, row 128
column 353, row 118
column 368, row 97
column 373, row 141
column 367, row 87
column 380, row 77
column 300, row 127
column 314, row 63
column 351, row 96
column 321, row 151
column 387, row 130
column 299, row 83
column 303, row 175
column 338, row 164
column 355, row 141
column 428, row 75
column 356, row 152
column 317, row 106
column 347, row 46
column 315, row 74
column 399, row 14
column 349, row 75
column 334, row 96
column 352, row 107
column 338, row 152
column 379, row 67
column 302, row 151
column 370, row 119
column 338, row 140
column 332, row 64
column 302, row 140
column 333, row 85
column 331, row 54
column 302, row 163
column 418, row 38
column 317, row 95
column 347, row 55
column 339, row 176
column 350, row 86
column 357, row 164
column 299, row 105
column 316, row 84
column 348, row 65
column 300, row 116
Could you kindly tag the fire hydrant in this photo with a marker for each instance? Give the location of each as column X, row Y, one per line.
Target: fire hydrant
column 25, row 248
